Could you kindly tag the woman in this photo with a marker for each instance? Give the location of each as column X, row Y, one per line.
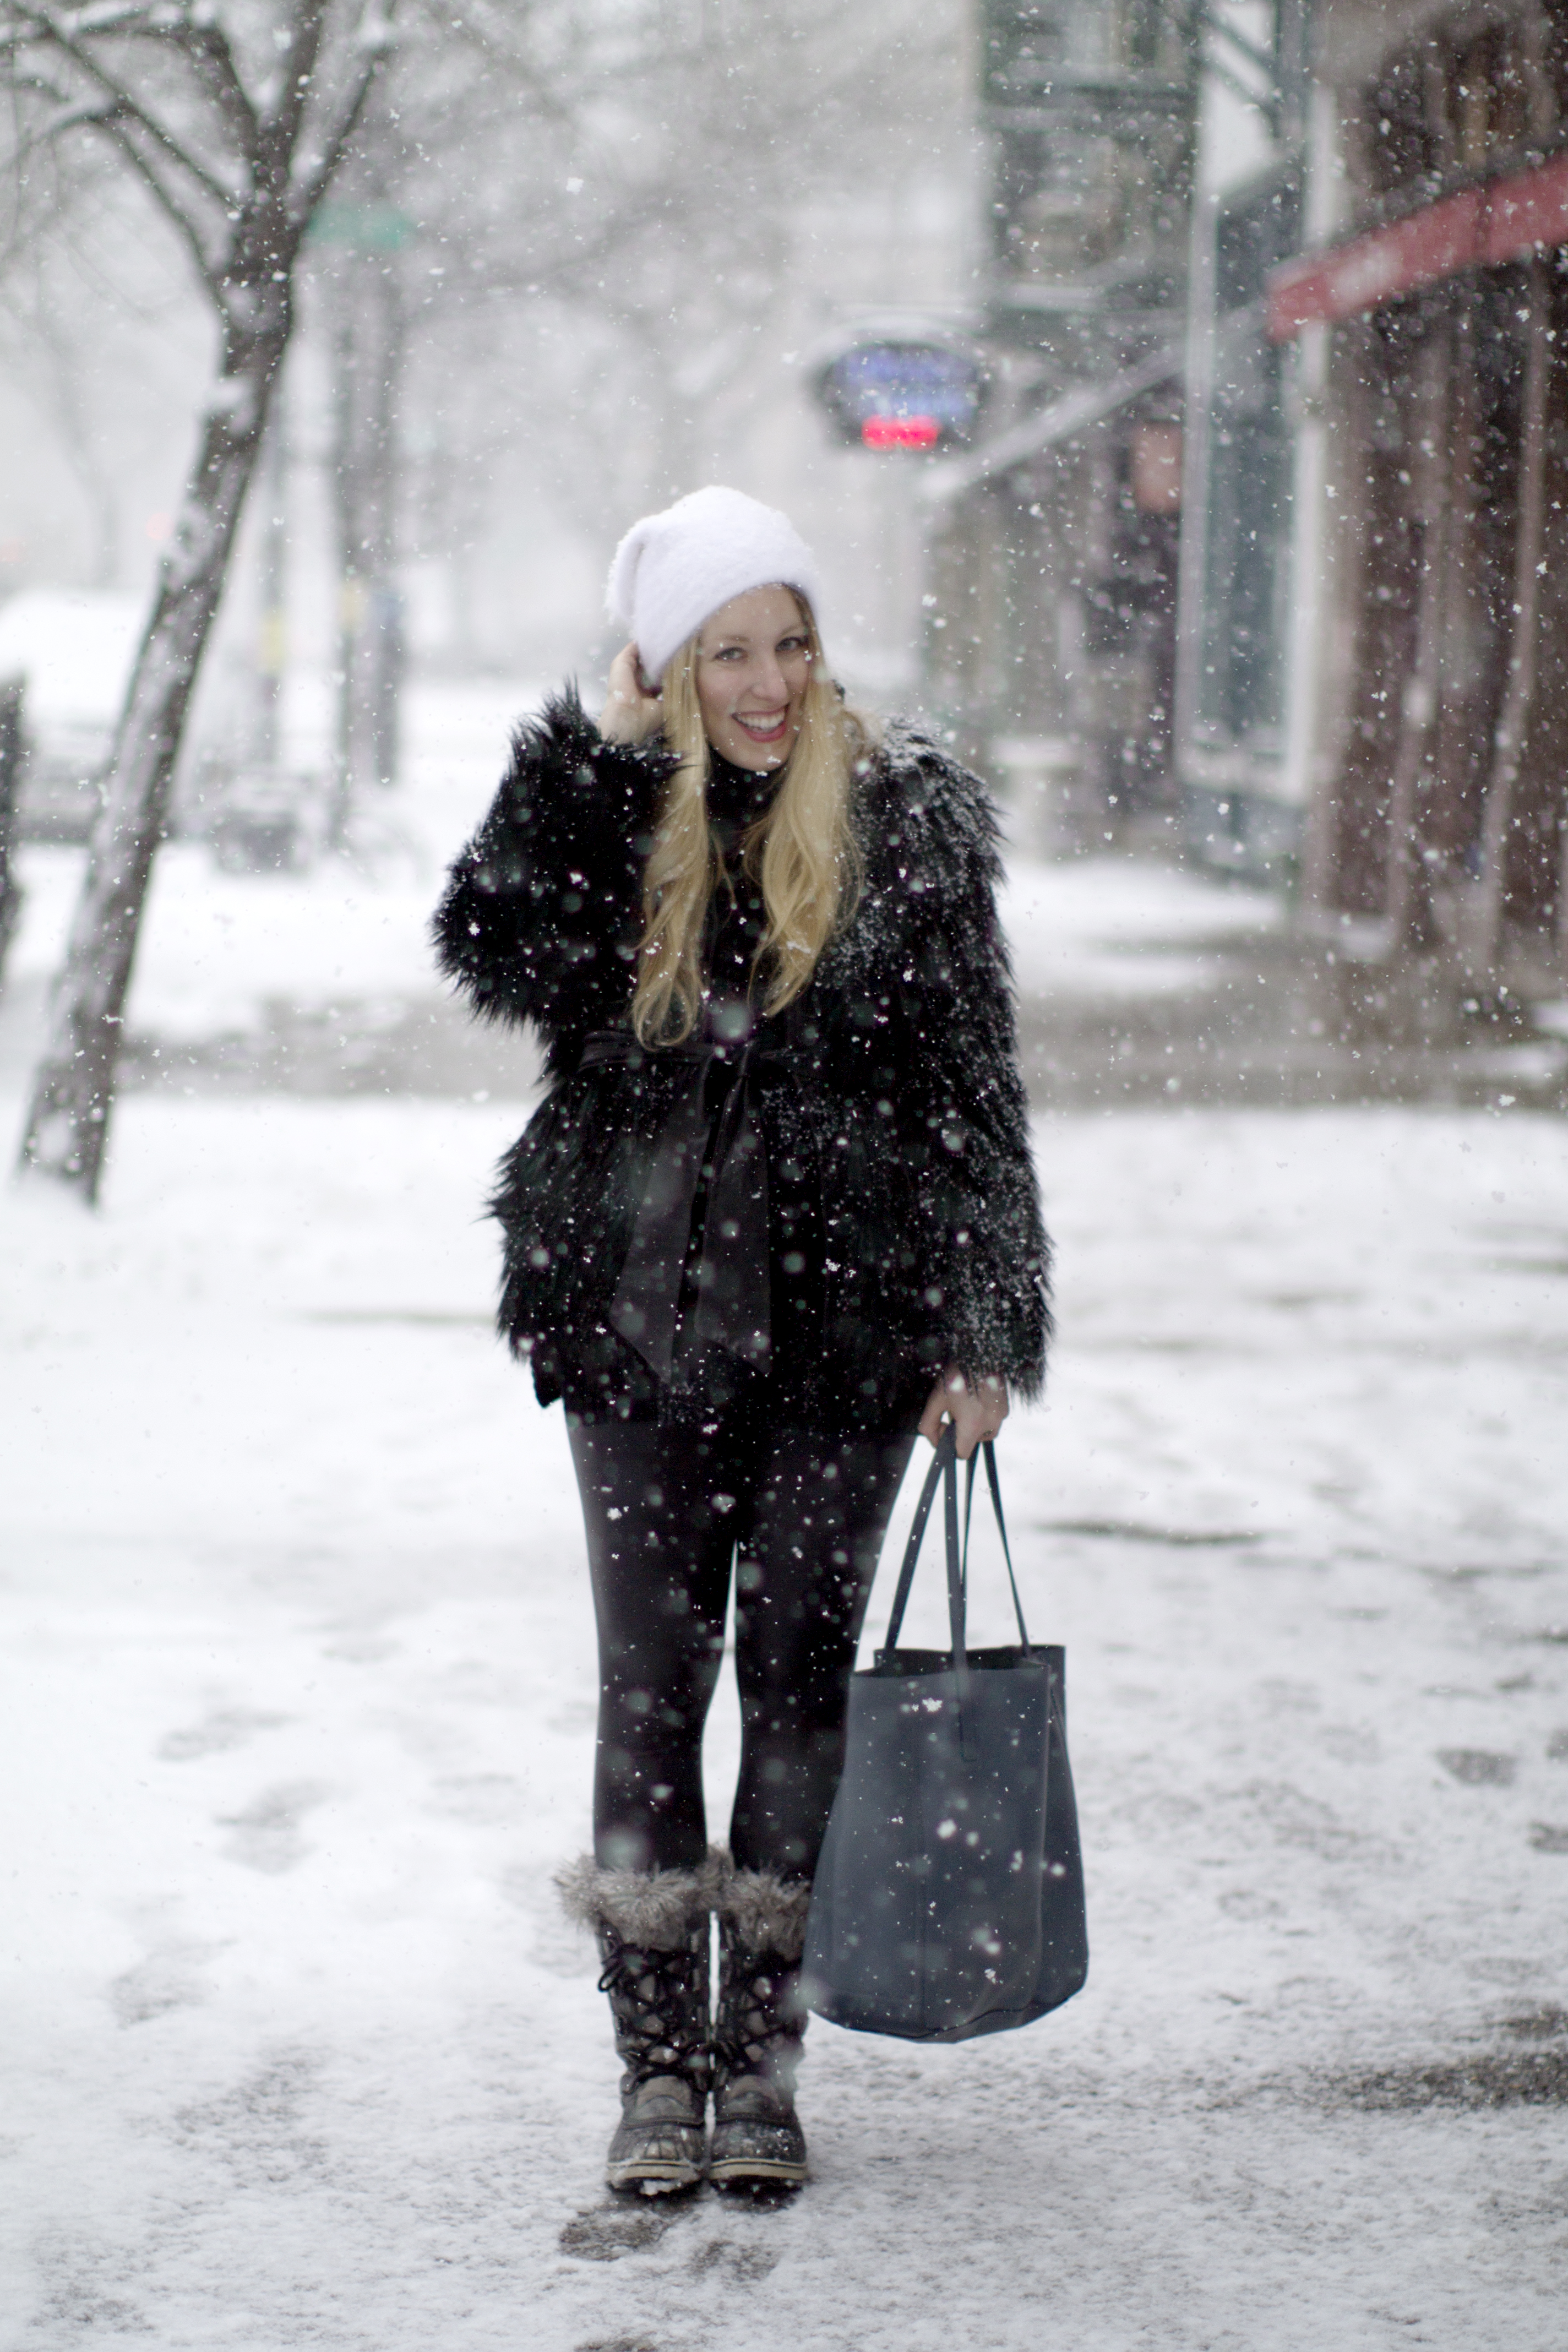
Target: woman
column 775, row 1213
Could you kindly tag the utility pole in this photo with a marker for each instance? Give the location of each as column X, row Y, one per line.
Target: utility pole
column 272, row 621
column 368, row 337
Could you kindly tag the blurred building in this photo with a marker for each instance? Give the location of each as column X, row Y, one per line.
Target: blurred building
column 1267, row 526
column 1427, row 333
column 1238, row 755
column 1052, row 603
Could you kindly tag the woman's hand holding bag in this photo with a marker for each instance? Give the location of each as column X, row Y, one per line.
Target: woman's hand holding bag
column 976, row 1409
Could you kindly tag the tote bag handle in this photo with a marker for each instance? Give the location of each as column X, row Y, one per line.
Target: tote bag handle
column 944, row 1466
column 995, row 1484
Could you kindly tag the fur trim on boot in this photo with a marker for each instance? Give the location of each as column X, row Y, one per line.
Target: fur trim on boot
column 653, row 1909
column 769, row 1913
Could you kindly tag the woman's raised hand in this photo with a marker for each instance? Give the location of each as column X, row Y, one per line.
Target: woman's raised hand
column 976, row 1411
column 631, row 712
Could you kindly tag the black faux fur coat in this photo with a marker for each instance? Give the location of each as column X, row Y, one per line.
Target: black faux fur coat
column 907, row 1104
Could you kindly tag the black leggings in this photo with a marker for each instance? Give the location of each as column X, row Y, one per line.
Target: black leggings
column 665, row 1510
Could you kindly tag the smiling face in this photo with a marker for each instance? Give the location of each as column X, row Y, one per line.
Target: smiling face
column 754, row 665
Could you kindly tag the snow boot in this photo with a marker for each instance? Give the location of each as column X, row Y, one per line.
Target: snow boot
column 654, row 1930
column 757, row 2139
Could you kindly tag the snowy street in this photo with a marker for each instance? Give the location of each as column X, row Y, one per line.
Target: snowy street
column 298, row 1713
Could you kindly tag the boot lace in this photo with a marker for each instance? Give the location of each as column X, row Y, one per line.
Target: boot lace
column 659, row 2003
column 752, row 2024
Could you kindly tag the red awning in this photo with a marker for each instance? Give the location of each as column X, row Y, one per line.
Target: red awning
column 1504, row 220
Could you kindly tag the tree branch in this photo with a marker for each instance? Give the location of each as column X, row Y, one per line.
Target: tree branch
column 304, row 198
column 110, row 16
column 120, row 16
column 299, row 69
column 206, row 46
column 72, row 116
column 125, row 105
column 98, row 115
column 115, row 131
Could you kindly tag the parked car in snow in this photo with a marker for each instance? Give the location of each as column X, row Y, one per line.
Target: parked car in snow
column 73, row 650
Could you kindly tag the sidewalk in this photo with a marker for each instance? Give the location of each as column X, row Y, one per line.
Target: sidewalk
column 297, row 1709
column 298, row 1716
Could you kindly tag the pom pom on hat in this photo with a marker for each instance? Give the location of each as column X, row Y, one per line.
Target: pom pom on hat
column 672, row 570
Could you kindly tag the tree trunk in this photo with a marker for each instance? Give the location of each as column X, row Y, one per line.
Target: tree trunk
column 368, row 356
column 67, row 1123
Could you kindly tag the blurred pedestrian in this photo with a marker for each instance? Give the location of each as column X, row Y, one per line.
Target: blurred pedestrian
column 775, row 1215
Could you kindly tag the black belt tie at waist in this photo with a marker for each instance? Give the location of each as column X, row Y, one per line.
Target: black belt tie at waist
column 702, row 1143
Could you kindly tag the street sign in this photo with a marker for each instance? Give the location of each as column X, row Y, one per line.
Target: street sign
column 887, row 393
column 368, row 228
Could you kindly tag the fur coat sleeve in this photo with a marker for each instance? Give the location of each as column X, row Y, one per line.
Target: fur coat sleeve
column 542, row 913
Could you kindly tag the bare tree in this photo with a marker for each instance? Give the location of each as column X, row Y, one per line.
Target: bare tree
column 233, row 120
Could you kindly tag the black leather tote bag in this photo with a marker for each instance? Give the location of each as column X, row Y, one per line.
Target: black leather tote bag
column 948, row 1900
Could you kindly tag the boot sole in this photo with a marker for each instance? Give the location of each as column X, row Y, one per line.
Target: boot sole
column 654, row 2179
column 771, row 2172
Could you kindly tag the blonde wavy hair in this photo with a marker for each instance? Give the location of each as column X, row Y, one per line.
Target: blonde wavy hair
column 803, row 852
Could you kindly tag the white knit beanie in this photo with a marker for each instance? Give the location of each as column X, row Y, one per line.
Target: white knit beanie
column 672, row 570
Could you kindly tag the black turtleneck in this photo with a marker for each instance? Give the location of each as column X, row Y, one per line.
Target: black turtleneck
column 737, row 919
column 737, row 797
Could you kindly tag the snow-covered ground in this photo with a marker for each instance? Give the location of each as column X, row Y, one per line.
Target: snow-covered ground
column 1106, row 929
column 298, row 1717
column 298, row 1714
